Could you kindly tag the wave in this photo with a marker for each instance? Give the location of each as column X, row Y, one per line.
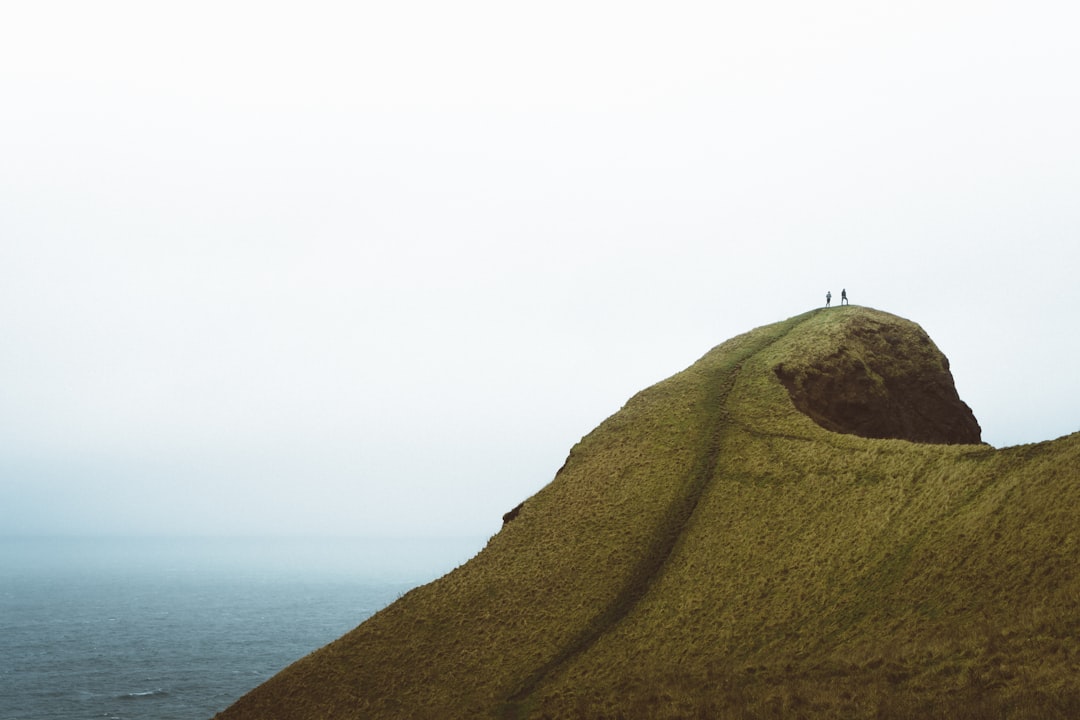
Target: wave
column 148, row 693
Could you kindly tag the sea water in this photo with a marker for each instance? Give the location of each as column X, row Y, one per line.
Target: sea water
column 178, row 629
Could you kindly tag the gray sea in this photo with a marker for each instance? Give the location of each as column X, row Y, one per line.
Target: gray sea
column 178, row 629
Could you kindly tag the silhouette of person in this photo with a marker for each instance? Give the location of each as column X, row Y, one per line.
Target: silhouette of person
column 828, row 297
column 843, row 297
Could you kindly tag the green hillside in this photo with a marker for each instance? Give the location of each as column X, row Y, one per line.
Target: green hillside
column 752, row 537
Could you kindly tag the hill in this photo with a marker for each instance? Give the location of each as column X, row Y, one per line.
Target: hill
column 801, row 524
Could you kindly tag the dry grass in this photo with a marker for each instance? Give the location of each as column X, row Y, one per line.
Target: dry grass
column 710, row 552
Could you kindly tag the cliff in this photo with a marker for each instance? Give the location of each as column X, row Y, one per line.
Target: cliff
column 802, row 523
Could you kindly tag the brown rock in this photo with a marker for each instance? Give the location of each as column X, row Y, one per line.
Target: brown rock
column 882, row 377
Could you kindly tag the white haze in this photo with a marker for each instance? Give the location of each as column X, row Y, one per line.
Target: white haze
column 373, row 268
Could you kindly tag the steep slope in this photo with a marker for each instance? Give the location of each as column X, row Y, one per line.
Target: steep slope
column 717, row 549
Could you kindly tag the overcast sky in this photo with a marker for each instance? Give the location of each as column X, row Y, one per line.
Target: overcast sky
column 370, row 268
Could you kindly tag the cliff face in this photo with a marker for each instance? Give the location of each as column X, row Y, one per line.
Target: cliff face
column 880, row 377
column 729, row 544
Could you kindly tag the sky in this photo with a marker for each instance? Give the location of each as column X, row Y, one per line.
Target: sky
column 372, row 268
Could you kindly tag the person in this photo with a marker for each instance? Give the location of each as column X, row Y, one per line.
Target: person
column 843, row 297
column 828, row 297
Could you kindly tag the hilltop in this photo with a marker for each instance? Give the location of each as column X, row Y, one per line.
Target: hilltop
column 803, row 523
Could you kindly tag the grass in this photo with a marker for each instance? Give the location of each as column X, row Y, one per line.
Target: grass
column 710, row 551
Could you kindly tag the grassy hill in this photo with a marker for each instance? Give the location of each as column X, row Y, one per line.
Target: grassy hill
column 753, row 537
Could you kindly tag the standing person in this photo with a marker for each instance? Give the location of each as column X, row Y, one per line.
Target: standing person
column 828, row 297
column 843, row 297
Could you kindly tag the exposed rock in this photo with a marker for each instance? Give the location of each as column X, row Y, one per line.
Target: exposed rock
column 513, row 513
column 884, row 378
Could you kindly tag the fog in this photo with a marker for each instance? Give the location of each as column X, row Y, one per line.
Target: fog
column 372, row 269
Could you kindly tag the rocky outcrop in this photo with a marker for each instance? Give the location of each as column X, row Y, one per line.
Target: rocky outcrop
column 512, row 513
column 883, row 378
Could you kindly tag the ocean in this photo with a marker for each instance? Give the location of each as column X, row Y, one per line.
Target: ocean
column 178, row 629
